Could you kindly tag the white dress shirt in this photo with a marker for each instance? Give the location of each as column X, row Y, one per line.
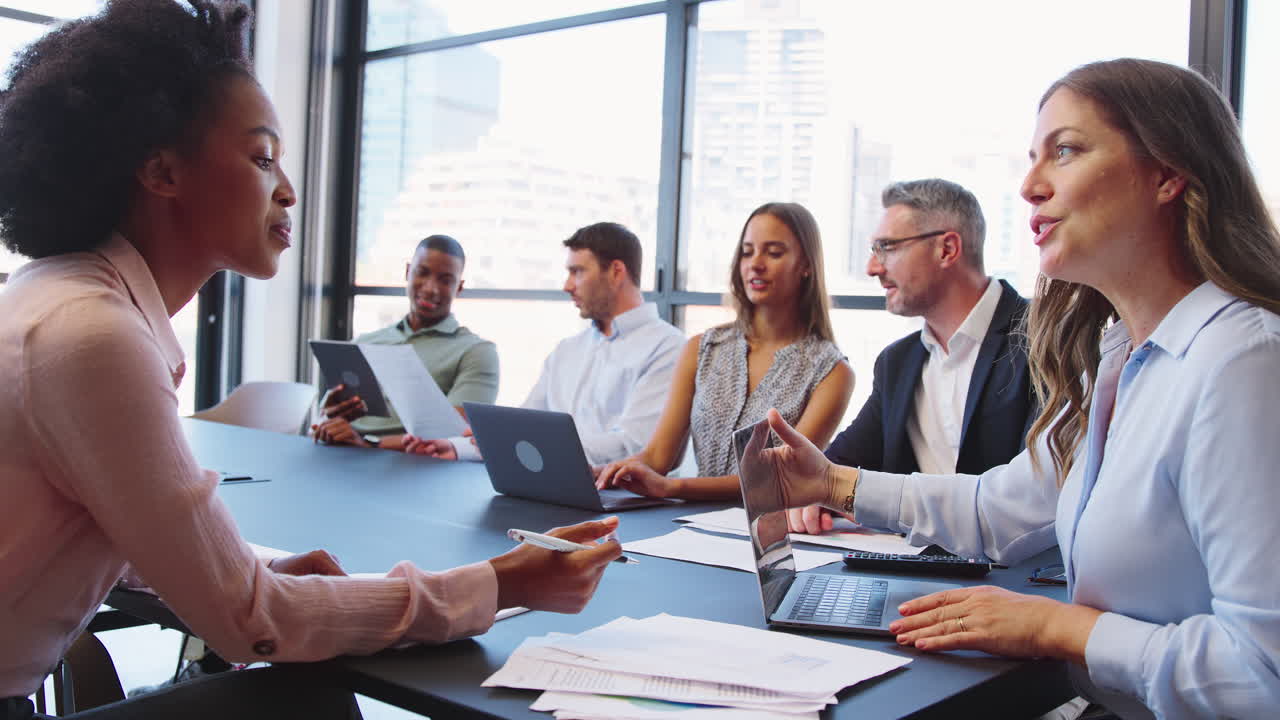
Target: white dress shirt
column 614, row 386
column 935, row 427
column 1166, row 521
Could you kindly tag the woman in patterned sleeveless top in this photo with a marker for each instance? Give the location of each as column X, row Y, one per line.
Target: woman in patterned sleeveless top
column 779, row 352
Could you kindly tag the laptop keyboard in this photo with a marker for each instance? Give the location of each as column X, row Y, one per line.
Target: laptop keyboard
column 846, row 600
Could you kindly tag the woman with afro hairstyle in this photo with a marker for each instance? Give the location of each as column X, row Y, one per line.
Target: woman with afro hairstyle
column 140, row 156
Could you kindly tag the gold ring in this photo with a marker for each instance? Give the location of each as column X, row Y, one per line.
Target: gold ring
column 962, row 627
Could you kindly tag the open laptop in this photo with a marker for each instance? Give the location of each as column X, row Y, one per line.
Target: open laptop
column 537, row 455
column 843, row 602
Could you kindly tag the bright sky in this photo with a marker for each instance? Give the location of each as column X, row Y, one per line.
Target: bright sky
column 1261, row 112
column 55, row 8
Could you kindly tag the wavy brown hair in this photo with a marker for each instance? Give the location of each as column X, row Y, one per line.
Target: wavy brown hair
column 813, row 304
column 1174, row 117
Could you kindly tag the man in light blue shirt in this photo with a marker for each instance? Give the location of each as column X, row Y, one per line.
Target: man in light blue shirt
column 614, row 376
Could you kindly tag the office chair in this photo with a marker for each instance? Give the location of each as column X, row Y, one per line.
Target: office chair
column 275, row 406
column 86, row 677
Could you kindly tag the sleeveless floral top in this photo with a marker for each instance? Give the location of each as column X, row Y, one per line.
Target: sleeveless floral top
column 721, row 403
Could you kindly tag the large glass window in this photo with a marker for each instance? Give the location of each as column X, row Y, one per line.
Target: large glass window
column 56, row 8
column 509, row 146
column 824, row 103
column 400, row 22
column 1261, row 106
column 14, row 35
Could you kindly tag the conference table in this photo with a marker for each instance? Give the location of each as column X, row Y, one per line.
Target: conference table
column 374, row 508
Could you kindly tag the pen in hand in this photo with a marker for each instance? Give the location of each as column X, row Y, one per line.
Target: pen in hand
column 550, row 542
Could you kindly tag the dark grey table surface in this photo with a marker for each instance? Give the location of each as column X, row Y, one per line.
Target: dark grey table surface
column 375, row 508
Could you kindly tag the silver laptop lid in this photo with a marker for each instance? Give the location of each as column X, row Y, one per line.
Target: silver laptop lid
column 766, row 516
column 534, row 454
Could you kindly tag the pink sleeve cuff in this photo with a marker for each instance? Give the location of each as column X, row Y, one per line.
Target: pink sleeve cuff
column 450, row 605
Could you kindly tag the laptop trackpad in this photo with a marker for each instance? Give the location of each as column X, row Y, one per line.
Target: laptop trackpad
column 891, row 604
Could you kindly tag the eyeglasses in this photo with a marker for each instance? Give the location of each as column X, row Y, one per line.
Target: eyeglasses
column 1054, row 574
column 881, row 247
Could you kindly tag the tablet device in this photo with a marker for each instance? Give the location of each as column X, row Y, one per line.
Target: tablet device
column 343, row 362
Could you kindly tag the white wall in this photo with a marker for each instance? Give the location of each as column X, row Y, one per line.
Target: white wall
column 282, row 53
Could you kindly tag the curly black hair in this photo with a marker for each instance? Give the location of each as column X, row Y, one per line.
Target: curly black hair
column 89, row 101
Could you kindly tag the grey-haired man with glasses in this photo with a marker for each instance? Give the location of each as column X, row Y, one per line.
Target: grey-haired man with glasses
column 955, row 396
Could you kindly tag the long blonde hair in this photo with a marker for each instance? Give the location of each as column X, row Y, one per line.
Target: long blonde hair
column 1178, row 119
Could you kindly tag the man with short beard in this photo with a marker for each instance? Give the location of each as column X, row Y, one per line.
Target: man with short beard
column 613, row 377
column 955, row 396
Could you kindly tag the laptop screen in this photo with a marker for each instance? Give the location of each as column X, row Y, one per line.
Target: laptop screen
column 766, row 516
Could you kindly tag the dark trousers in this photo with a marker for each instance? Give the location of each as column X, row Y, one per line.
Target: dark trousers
column 267, row 693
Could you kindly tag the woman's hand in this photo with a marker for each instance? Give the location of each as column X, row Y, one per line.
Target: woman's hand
column 316, row 562
column 634, row 475
column 557, row 581
column 805, row 476
column 811, row 520
column 997, row 621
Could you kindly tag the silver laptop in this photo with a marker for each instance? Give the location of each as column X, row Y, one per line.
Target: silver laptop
column 537, row 455
column 845, row 601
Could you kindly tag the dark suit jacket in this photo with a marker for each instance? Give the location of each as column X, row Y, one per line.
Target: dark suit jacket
column 997, row 414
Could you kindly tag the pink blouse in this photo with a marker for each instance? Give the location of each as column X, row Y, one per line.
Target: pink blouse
column 96, row 478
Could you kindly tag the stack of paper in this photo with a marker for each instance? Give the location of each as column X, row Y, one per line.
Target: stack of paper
column 843, row 534
column 674, row 667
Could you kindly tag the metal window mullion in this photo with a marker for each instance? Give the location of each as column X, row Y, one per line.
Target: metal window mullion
column 675, row 66
column 210, row 302
column 24, row 16
column 470, row 293
column 514, row 31
column 343, row 237
column 1216, row 47
column 232, row 359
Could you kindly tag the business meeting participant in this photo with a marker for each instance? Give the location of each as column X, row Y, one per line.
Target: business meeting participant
column 611, row 377
column 954, row 396
column 463, row 364
column 779, row 352
column 141, row 156
column 1155, row 340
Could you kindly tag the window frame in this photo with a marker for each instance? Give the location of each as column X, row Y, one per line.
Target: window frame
column 1217, row 31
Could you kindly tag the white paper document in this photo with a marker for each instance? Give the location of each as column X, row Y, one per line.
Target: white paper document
column 843, row 534
column 583, row 706
column 722, row 653
column 422, row 407
column 693, row 546
column 536, row 666
column 696, row 668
